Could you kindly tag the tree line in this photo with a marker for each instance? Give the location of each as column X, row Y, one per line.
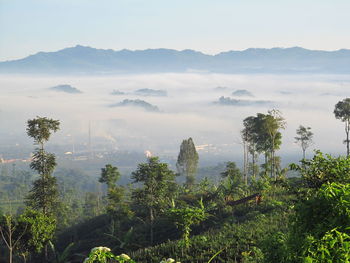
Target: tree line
column 154, row 192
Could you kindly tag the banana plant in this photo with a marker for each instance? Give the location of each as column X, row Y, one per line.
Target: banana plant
column 61, row 257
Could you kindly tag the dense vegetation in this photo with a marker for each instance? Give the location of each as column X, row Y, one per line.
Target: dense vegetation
column 257, row 214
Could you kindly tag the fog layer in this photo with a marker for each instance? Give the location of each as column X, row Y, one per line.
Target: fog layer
column 189, row 109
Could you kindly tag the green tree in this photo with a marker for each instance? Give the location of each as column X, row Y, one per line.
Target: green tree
column 304, row 138
column 187, row 161
column 249, row 138
column 157, row 189
column 39, row 230
column 110, row 176
column 342, row 112
column 273, row 123
column 44, row 194
column 186, row 217
column 262, row 133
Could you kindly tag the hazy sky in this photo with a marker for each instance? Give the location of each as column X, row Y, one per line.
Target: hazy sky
column 29, row 26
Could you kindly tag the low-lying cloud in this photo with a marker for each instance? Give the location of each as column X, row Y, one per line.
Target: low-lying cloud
column 187, row 110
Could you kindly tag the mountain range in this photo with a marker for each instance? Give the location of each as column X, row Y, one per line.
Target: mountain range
column 87, row 60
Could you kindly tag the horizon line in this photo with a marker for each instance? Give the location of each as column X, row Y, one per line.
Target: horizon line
column 174, row 49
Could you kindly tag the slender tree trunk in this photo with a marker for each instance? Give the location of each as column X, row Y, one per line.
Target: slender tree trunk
column 266, row 164
column 245, row 158
column 46, row 254
column 10, row 240
column 24, row 258
column 247, row 162
column 273, row 172
column 43, row 177
column 274, row 165
column 10, row 255
column 271, row 161
column 45, row 208
column 253, row 163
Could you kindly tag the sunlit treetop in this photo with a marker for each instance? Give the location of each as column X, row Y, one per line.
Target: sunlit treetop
column 40, row 128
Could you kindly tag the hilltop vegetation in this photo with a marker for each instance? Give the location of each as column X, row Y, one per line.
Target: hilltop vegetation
column 240, row 102
column 254, row 214
column 136, row 103
column 66, row 88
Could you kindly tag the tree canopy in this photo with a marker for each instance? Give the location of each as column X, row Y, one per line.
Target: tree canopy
column 342, row 112
column 304, row 138
column 187, row 161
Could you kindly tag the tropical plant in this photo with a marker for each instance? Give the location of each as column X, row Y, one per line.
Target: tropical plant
column 104, row 255
column 186, row 217
column 63, row 256
column 232, row 183
column 323, row 169
column 321, row 225
column 333, row 247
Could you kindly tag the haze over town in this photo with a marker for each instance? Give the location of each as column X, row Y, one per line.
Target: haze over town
column 191, row 108
column 198, row 99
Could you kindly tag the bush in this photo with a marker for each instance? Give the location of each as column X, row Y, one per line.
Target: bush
column 321, row 224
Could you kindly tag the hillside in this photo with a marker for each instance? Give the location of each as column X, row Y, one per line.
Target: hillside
column 87, row 60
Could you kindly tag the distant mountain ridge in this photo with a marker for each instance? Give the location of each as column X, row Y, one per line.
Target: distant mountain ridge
column 87, row 60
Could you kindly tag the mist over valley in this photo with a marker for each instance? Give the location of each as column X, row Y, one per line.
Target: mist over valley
column 174, row 131
column 155, row 112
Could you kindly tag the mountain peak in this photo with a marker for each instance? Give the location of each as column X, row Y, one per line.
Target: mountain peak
column 81, row 59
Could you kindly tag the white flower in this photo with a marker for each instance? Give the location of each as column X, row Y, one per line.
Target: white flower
column 87, row 260
column 105, row 249
column 102, row 249
column 124, row 256
column 170, row 260
column 95, row 249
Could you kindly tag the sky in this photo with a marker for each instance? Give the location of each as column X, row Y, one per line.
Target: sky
column 30, row 26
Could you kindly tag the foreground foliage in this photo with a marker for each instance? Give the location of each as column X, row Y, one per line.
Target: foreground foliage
column 300, row 219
